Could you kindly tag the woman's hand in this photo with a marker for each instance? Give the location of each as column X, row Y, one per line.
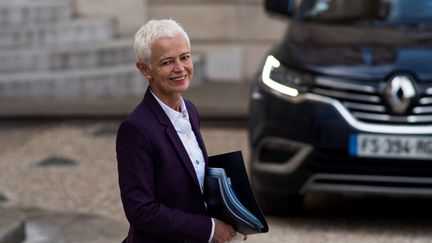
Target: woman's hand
column 223, row 232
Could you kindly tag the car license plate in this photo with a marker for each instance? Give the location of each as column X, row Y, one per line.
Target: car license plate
column 388, row 146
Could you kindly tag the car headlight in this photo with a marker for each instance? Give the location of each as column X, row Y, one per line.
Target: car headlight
column 284, row 80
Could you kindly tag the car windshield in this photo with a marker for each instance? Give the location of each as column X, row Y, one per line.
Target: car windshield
column 378, row 11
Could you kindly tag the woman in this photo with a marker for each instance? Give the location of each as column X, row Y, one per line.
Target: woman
column 160, row 152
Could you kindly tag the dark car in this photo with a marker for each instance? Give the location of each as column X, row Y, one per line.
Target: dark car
column 344, row 102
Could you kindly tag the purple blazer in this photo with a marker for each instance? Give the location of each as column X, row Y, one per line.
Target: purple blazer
column 161, row 196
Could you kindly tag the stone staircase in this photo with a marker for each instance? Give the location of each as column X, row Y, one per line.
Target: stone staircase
column 48, row 54
column 40, row 226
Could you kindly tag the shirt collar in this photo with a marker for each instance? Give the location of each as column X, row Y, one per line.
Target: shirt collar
column 172, row 114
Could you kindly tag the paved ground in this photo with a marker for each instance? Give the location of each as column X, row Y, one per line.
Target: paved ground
column 68, row 169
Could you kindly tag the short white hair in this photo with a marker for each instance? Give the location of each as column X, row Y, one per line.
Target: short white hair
column 150, row 32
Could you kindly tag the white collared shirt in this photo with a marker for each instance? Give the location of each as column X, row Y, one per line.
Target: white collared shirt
column 181, row 123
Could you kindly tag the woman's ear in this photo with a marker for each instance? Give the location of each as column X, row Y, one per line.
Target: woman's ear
column 144, row 69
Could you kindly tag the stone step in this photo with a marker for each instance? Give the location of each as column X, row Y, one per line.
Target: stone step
column 24, row 12
column 76, row 31
column 98, row 54
column 12, row 228
column 106, row 82
column 61, row 227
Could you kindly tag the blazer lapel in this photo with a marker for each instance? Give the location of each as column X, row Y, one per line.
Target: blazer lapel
column 181, row 151
column 172, row 135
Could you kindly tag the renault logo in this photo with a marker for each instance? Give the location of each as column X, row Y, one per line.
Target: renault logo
column 400, row 92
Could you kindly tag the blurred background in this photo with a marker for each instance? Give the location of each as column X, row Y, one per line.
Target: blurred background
column 67, row 78
column 72, row 50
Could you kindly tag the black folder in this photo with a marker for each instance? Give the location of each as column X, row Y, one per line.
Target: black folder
column 229, row 196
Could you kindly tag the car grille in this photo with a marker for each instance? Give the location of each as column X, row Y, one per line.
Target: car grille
column 365, row 101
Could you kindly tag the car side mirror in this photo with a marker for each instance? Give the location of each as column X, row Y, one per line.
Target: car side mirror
column 285, row 7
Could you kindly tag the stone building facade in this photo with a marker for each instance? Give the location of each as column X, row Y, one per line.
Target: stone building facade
column 81, row 49
column 230, row 36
